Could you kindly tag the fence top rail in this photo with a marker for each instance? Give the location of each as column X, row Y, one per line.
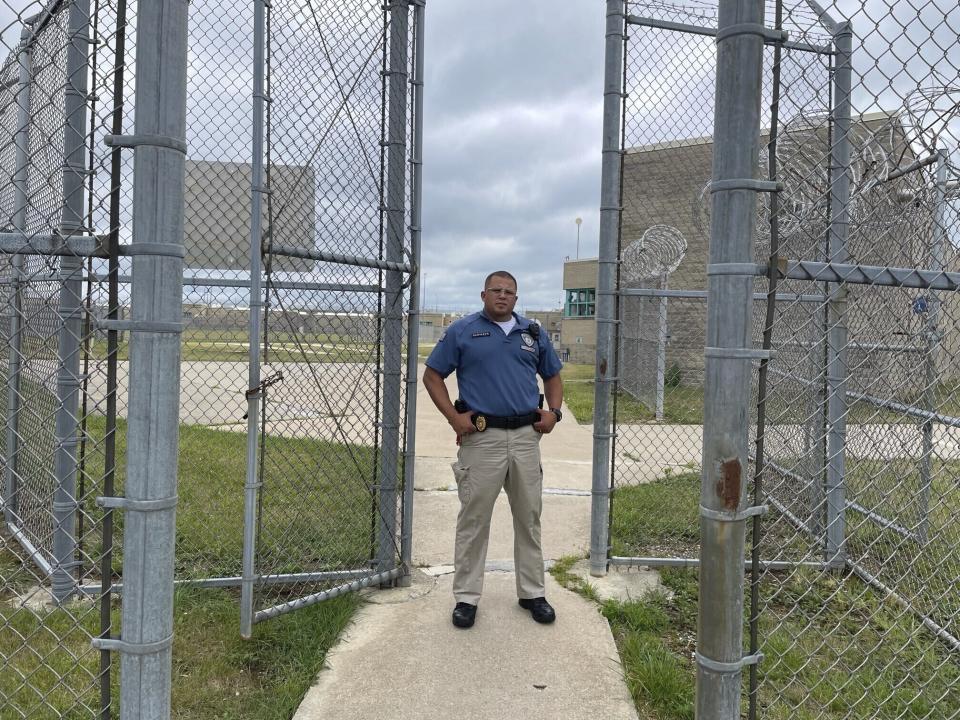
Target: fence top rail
column 341, row 259
column 12, row 243
column 853, row 274
column 711, row 32
column 38, row 22
column 702, row 294
column 873, row 275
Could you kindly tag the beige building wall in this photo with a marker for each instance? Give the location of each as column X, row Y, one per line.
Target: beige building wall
column 550, row 320
column 578, row 336
column 580, row 273
column 432, row 325
column 664, row 185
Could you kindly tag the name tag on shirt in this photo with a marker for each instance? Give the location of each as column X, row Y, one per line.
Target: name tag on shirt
column 481, row 334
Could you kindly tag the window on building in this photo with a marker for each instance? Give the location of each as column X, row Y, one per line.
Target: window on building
column 580, row 302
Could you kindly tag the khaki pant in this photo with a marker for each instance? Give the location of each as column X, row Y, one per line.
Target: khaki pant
column 486, row 462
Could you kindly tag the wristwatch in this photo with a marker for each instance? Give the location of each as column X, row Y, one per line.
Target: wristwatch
column 557, row 412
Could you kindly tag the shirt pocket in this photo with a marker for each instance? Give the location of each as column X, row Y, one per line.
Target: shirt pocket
column 461, row 474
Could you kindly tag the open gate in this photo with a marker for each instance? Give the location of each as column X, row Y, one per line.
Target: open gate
column 337, row 108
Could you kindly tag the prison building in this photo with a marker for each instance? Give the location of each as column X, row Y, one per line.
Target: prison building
column 891, row 224
column 217, row 213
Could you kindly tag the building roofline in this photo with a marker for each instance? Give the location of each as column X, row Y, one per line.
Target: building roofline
column 708, row 140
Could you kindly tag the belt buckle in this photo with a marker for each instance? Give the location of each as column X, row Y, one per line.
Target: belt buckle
column 480, row 422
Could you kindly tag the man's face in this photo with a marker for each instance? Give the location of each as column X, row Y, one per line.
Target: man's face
column 499, row 297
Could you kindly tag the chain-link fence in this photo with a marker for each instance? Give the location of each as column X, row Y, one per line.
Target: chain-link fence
column 301, row 239
column 849, row 417
column 336, row 356
column 60, row 93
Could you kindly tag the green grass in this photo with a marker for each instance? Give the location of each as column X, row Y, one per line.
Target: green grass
column 648, row 634
column 835, row 649
column 657, row 677
column 331, row 480
column 926, row 573
column 216, row 675
column 682, row 405
column 232, row 346
column 657, row 517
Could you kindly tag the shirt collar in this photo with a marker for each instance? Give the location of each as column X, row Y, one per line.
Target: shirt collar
column 522, row 322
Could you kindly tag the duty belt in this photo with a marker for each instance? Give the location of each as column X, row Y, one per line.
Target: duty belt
column 482, row 422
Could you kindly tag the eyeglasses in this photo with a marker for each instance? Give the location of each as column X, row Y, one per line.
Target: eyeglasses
column 502, row 291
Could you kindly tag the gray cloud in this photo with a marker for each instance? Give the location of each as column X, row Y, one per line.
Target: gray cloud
column 513, row 111
column 513, row 120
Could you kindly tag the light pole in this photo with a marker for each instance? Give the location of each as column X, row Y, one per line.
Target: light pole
column 423, row 290
column 578, row 221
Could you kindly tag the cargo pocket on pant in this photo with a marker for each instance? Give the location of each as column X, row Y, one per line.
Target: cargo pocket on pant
column 462, row 476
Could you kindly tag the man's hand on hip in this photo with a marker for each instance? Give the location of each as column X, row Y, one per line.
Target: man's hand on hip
column 462, row 424
column 546, row 422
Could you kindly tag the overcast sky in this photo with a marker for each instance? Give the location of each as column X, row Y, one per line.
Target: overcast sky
column 513, row 112
column 512, row 118
column 512, row 121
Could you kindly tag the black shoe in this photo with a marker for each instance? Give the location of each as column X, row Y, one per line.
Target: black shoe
column 464, row 614
column 540, row 609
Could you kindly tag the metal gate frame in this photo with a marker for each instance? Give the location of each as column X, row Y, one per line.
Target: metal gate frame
column 610, row 292
column 400, row 273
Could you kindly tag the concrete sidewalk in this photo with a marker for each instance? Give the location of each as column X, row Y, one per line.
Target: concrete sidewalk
column 402, row 657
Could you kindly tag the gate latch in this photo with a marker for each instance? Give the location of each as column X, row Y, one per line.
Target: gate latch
column 264, row 384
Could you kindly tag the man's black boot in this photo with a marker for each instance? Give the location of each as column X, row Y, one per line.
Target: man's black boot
column 540, row 609
column 464, row 614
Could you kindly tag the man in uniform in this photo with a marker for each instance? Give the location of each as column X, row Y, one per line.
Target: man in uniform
column 499, row 421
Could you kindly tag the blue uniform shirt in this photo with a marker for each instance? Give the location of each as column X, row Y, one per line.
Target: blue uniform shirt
column 496, row 373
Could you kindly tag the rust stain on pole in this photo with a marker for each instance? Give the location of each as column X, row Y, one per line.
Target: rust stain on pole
column 603, row 367
column 728, row 486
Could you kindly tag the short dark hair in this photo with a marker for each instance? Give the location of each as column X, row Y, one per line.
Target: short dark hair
column 500, row 273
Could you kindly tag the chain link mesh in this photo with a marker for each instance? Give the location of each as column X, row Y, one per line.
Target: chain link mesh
column 335, row 332
column 58, row 436
column 858, row 583
column 331, row 469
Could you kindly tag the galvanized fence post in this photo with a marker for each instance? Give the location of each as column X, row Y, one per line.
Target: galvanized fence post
column 413, row 312
column 254, row 391
column 71, row 303
column 605, row 370
column 728, row 358
column 393, row 297
column 19, row 221
column 154, row 396
column 837, row 300
column 932, row 342
column 663, row 332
